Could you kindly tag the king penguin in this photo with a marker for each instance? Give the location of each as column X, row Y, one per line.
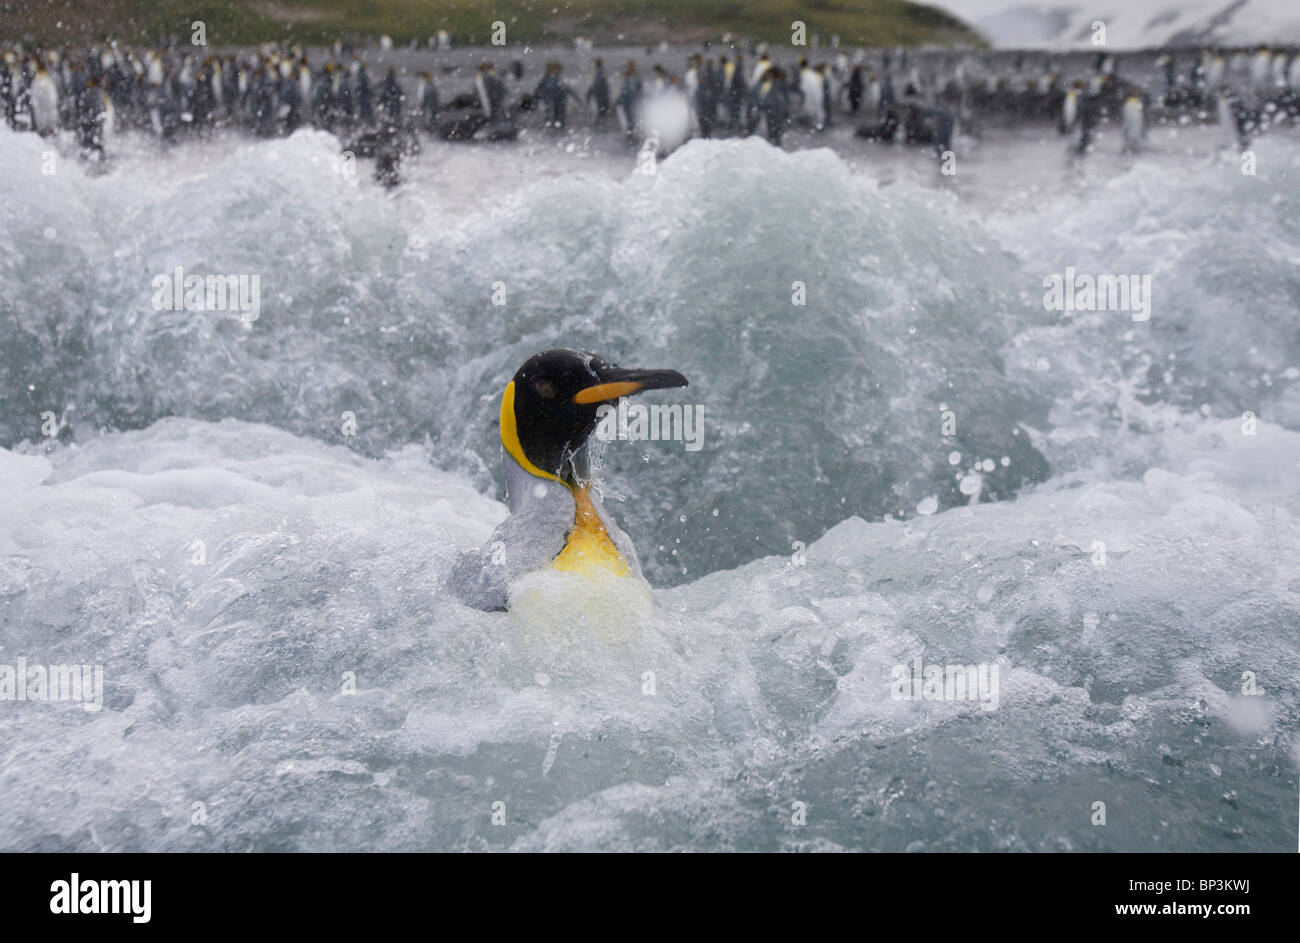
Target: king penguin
column 548, row 411
column 1134, row 119
column 44, row 102
column 1070, row 109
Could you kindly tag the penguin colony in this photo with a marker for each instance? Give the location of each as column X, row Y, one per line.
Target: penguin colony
column 890, row 96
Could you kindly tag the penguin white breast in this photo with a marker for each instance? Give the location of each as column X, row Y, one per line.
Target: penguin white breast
column 45, row 102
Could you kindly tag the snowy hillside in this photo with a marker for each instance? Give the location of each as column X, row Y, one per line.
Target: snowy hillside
column 1130, row 24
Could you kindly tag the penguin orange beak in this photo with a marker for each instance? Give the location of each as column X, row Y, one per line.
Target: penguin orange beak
column 617, row 381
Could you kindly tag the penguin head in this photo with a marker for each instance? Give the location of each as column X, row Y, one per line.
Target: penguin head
column 551, row 406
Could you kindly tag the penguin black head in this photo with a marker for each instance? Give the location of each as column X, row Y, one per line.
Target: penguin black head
column 550, row 407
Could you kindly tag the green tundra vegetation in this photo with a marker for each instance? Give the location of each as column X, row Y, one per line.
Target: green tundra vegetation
column 633, row 22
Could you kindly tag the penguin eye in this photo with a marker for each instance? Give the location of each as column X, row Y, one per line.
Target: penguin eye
column 545, row 389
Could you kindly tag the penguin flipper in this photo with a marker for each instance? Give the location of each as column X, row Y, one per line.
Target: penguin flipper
column 475, row 582
column 529, row 539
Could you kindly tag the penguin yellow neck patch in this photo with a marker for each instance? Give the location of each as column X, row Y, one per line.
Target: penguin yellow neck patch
column 510, row 435
column 589, row 548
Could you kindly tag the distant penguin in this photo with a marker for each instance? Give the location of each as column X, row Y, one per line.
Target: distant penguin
column 887, row 97
column 304, row 81
column 1166, row 64
column 812, row 90
column 1090, row 114
column 1134, row 123
column 856, row 88
column 707, row 96
column 155, row 71
column 598, row 94
column 322, row 99
column 90, row 121
column 1237, row 122
column 44, row 102
column 184, row 89
column 1227, row 121
column 548, row 411
column 426, row 94
column 1261, row 76
column 485, row 102
column 218, row 83
column 391, row 99
column 1069, row 111
column 830, row 91
column 660, row 81
column 1216, row 72
column 734, row 90
column 628, row 104
column 774, row 103
column 160, row 112
column 914, row 85
column 9, row 86
column 1279, row 68
column 108, row 124
column 365, row 93
column 554, row 93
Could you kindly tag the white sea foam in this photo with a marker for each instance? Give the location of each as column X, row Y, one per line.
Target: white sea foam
column 262, row 590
